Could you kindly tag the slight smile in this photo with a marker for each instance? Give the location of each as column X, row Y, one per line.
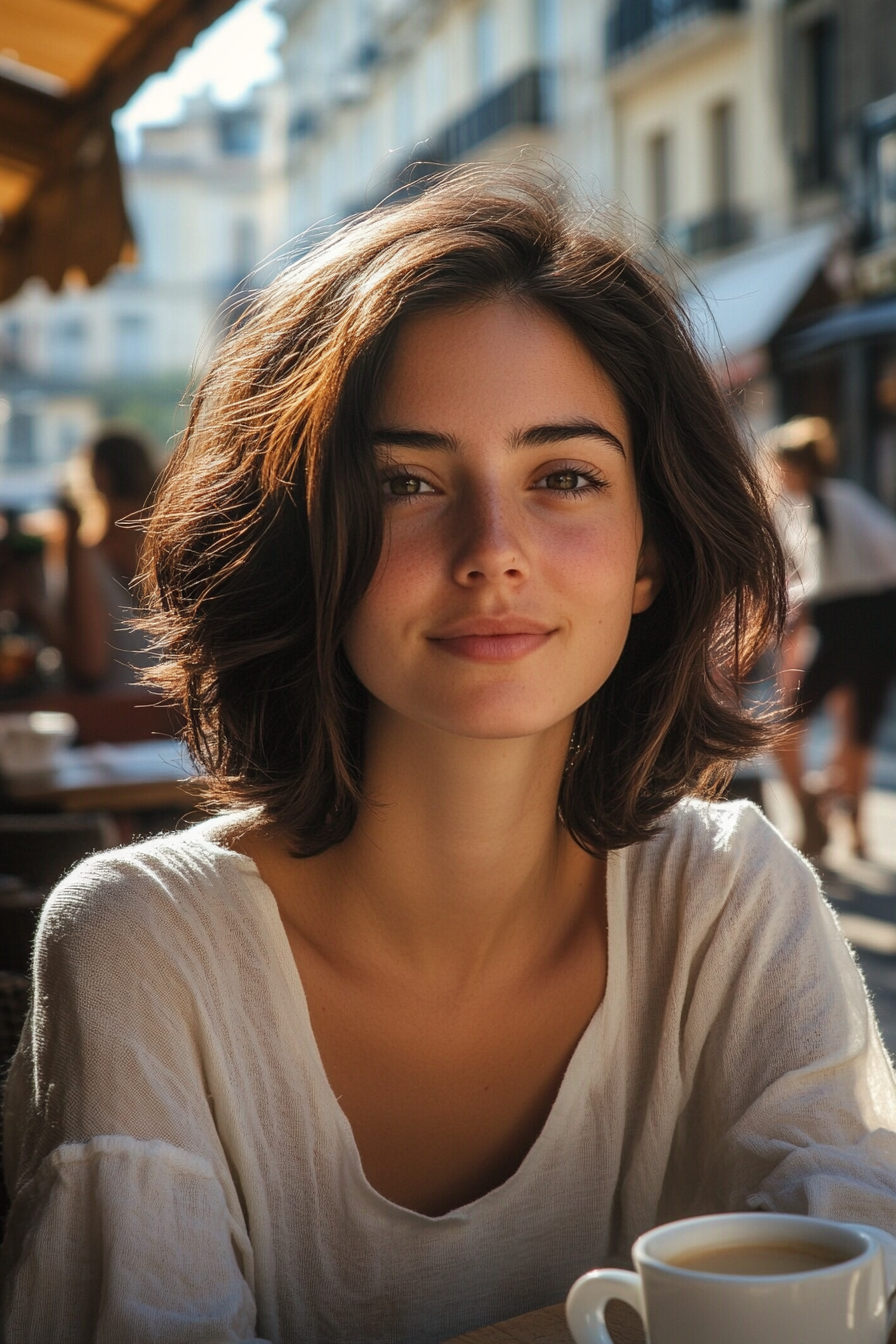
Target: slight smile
column 493, row 641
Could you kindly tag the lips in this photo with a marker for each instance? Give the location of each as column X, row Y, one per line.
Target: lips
column 497, row 640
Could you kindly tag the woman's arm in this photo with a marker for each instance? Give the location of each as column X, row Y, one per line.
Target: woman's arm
column 125, row 1223
column 119, row 1239
column 793, row 1102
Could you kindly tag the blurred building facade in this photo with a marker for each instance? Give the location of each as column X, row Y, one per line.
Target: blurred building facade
column 838, row 103
column 374, row 85
column 755, row 138
column 206, row 198
column 693, row 91
column 693, row 94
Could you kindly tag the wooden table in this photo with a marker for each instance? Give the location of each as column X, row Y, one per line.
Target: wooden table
column 549, row 1327
column 120, row 777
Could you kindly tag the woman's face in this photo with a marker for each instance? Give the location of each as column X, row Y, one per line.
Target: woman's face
column 513, row 553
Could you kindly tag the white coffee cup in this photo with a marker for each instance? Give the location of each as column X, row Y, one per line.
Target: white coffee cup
column 30, row 743
column 848, row 1300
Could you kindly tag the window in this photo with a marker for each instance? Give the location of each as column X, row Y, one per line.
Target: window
column 132, row 345
column 659, row 165
column 68, row 348
column 485, row 46
column 21, row 447
column 13, row 343
column 817, row 128
column 239, row 132
column 721, row 123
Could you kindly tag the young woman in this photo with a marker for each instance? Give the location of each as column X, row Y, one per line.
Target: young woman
column 468, row 984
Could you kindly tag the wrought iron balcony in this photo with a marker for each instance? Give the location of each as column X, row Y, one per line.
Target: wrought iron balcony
column 633, row 23
column 523, row 101
column 526, row 100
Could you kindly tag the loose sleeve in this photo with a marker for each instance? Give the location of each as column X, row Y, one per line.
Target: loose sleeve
column 125, row 1221
column 793, row 1102
column 126, row 1241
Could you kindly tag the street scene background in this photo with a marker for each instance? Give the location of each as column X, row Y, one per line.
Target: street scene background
column 748, row 147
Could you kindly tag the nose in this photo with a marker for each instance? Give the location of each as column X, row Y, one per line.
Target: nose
column 491, row 548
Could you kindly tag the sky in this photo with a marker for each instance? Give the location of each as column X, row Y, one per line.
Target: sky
column 228, row 58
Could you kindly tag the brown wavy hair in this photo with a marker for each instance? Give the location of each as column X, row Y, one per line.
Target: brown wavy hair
column 268, row 526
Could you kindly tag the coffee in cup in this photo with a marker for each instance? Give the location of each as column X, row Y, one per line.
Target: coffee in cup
column 751, row 1260
column 748, row 1278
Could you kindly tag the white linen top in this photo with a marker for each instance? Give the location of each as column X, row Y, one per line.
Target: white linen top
column 855, row 557
column 182, row 1171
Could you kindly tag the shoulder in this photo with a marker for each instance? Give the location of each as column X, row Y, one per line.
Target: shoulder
column 720, row 892
column 726, row 835
column 709, row 857
column 170, row 889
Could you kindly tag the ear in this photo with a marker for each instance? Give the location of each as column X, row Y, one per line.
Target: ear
column 649, row 578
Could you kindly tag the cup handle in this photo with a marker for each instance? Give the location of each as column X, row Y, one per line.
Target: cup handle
column 887, row 1244
column 589, row 1296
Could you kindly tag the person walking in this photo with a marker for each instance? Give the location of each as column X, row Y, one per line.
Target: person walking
column 842, row 546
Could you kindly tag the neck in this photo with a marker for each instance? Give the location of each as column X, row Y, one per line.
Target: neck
column 457, row 850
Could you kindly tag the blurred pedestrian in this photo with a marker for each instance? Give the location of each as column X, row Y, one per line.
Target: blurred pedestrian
column 842, row 544
column 101, row 647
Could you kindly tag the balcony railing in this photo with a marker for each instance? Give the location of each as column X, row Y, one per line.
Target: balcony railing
column 726, row 226
column 524, row 101
column 632, row 23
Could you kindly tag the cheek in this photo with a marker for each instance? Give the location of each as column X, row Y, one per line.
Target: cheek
column 405, row 571
column 400, row 584
column 595, row 563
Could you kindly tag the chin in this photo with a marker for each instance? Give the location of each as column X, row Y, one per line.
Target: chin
column 495, row 722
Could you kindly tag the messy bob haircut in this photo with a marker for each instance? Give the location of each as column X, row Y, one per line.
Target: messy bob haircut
column 268, row 524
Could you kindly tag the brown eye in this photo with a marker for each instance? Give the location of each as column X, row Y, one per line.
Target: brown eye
column 404, row 485
column 562, row 480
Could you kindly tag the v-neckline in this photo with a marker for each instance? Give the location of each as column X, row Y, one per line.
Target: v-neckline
column 603, row 1026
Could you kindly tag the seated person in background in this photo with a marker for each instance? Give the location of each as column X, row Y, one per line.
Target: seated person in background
column 457, row 571
column 29, row 620
column 100, row 647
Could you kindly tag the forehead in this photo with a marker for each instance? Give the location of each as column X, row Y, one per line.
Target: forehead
column 484, row 363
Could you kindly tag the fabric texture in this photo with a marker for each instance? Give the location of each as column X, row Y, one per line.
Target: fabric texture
column 182, row 1171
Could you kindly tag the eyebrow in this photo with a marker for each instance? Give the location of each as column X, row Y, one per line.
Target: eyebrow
column 536, row 436
column 541, row 436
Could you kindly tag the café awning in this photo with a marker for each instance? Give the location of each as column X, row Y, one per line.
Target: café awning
column 854, row 322
column 742, row 301
column 65, row 67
